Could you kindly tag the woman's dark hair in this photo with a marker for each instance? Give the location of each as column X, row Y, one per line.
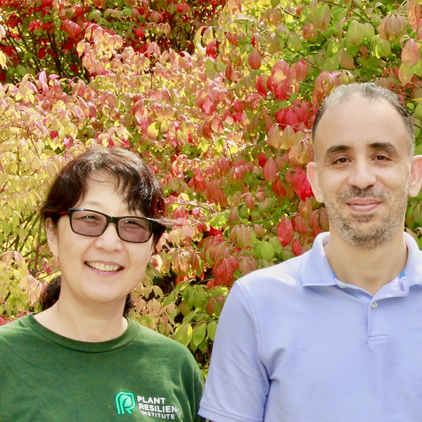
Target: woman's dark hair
column 135, row 181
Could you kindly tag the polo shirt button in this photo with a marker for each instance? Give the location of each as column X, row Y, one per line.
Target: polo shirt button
column 374, row 305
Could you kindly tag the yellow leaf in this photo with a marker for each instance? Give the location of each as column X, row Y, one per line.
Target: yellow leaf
column 3, row 60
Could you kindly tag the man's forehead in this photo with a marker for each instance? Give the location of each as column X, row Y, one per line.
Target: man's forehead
column 358, row 120
column 356, row 105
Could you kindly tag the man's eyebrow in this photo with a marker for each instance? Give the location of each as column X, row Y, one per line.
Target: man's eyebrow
column 336, row 149
column 384, row 146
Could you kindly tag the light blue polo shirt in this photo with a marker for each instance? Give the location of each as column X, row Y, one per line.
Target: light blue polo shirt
column 294, row 344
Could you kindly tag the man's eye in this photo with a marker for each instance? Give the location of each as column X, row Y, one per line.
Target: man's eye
column 340, row 160
column 381, row 157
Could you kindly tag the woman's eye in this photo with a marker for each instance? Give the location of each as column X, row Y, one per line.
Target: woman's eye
column 88, row 218
column 135, row 224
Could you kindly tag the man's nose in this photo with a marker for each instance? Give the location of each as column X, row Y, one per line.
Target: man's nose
column 362, row 174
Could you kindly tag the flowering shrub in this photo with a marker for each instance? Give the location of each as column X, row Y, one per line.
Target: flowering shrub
column 43, row 34
column 226, row 129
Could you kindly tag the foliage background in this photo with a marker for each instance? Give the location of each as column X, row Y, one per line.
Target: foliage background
column 219, row 97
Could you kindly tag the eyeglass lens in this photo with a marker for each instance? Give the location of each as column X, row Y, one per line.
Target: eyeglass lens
column 131, row 229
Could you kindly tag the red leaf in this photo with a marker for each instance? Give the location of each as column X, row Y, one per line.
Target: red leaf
column 242, row 236
column 271, row 85
column 285, row 231
column 305, row 208
column 326, row 82
column 254, row 60
column 414, row 13
column 260, row 85
column 278, row 188
column 297, row 247
column 234, row 217
column 199, row 181
column 309, row 32
column 405, row 74
column 270, row 170
column 323, row 219
column 280, row 72
column 410, row 53
column 210, row 50
column 299, row 70
column 300, row 225
column 250, row 203
column 239, row 106
column 262, row 159
column 225, row 271
column 247, row 265
column 208, row 106
column 233, row 39
column 301, row 184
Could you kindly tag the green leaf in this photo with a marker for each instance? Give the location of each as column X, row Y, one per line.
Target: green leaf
column 183, row 334
column 199, row 333
column 210, row 70
column 355, row 33
column 211, row 329
column 220, row 219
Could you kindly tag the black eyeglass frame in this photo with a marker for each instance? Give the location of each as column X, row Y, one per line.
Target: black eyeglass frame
column 109, row 219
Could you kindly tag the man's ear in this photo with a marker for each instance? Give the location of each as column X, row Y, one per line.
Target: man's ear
column 415, row 182
column 313, row 178
column 51, row 231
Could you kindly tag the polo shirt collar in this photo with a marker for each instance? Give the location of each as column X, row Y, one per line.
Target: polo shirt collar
column 316, row 271
column 413, row 268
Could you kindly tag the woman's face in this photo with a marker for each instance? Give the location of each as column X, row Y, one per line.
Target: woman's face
column 104, row 269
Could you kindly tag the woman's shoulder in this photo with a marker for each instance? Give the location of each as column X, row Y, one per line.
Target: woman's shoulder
column 15, row 327
column 159, row 343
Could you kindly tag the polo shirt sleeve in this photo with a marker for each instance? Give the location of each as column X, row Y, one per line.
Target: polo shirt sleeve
column 237, row 383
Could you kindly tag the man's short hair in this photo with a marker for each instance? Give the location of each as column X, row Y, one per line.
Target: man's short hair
column 371, row 91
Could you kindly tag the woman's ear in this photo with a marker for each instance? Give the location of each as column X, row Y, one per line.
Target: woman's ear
column 51, row 230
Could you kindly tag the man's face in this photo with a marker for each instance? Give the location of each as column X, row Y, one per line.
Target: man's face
column 364, row 172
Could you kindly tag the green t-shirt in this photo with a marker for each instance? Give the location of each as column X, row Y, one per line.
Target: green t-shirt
column 139, row 376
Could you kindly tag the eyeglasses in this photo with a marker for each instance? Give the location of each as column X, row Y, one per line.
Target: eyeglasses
column 94, row 224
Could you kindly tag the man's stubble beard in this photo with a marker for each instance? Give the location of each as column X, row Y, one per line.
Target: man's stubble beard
column 356, row 230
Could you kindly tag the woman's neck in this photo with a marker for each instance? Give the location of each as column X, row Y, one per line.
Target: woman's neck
column 81, row 324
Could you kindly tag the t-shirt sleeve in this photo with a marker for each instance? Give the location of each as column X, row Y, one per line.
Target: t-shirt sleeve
column 237, row 383
column 193, row 386
column 199, row 387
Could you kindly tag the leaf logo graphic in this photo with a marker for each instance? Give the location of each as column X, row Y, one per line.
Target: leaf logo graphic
column 125, row 402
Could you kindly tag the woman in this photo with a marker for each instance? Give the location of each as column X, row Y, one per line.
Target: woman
column 81, row 359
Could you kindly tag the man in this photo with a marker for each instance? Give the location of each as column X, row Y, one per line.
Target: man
column 336, row 334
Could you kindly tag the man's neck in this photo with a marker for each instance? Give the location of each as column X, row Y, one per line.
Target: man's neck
column 369, row 269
